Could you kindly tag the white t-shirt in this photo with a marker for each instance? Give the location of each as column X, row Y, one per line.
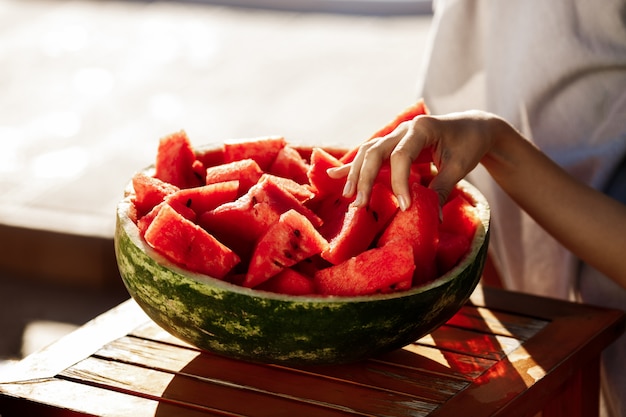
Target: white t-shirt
column 555, row 69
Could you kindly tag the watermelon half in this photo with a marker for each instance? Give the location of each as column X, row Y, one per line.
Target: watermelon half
column 262, row 326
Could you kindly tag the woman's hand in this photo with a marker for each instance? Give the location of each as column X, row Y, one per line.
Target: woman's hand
column 457, row 142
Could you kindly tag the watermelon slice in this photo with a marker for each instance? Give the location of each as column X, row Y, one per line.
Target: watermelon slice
column 287, row 242
column 419, row 225
column 289, row 164
column 262, row 149
column 239, row 223
column 361, row 225
column 459, row 216
column 149, row 192
column 376, row 270
column 210, row 156
column 450, row 250
column 289, row 282
column 175, row 161
column 246, row 171
column 318, row 177
column 188, row 244
column 205, row 198
column 302, row 192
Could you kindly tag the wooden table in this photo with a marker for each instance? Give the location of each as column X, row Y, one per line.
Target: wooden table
column 503, row 354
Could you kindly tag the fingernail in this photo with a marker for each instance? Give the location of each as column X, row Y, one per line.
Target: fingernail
column 347, row 189
column 403, row 203
column 358, row 201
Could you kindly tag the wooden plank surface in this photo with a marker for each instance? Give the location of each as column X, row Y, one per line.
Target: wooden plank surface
column 500, row 355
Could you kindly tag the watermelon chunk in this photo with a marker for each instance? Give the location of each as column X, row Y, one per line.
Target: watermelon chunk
column 149, row 192
column 211, row 156
column 246, row 171
column 240, row 223
column 286, row 242
column 262, row 149
column 302, row 192
column 175, row 161
column 376, row 270
column 289, row 164
column 188, row 244
column 419, row 225
column 289, row 282
column 450, row 250
column 459, row 216
column 409, row 113
column 361, row 225
column 205, row 198
column 318, row 177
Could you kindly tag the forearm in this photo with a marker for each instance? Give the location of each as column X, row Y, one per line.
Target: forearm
column 587, row 222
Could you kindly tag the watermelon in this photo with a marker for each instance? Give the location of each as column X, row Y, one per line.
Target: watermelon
column 450, row 249
column 285, row 243
column 459, row 216
column 189, row 245
column 289, row 281
column 290, row 164
column 419, row 225
column 229, row 319
column 360, row 225
column 262, row 149
column 318, row 177
column 175, row 161
column 149, row 192
column 300, row 191
column 374, row 270
column 205, row 198
column 246, row 171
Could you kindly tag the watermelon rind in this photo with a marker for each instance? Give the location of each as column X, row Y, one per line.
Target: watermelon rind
column 260, row 326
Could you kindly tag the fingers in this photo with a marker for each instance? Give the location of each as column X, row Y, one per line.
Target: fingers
column 401, row 147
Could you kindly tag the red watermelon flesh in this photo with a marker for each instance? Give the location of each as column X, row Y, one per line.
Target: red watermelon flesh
column 240, row 223
column 181, row 209
column 270, row 192
column 289, row 164
column 210, row 157
column 318, row 177
column 459, row 216
column 376, row 270
column 188, row 244
column 175, row 161
column 246, row 171
column 302, row 192
column 450, row 250
column 149, row 192
column 419, row 224
column 262, row 149
column 289, row 282
column 360, row 226
column 205, row 198
column 286, row 242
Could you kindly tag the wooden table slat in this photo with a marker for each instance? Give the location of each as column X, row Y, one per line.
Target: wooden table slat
column 363, row 383
column 59, row 397
column 497, row 322
column 195, row 391
column 479, row 344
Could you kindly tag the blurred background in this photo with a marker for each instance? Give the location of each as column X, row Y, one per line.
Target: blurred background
column 87, row 88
